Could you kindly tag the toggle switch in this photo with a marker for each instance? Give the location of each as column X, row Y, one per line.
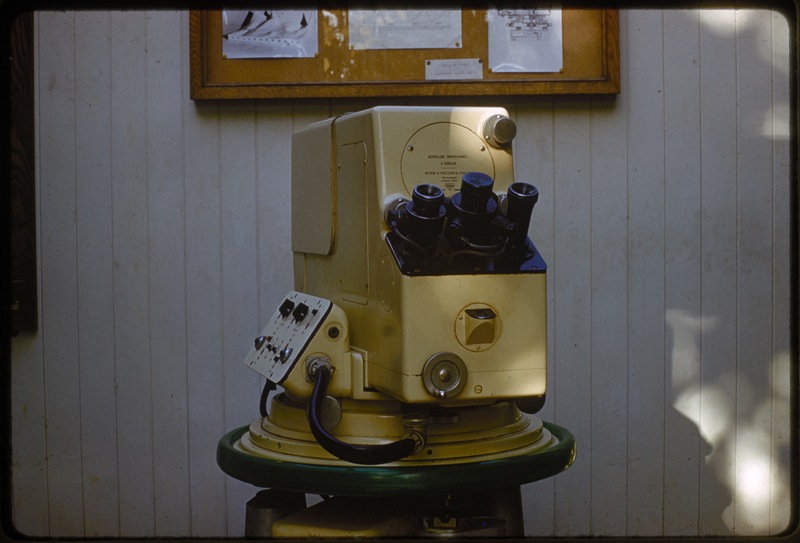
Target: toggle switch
column 286, row 308
column 300, row 312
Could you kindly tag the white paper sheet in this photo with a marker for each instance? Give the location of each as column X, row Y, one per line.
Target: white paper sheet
column 526, row 40
column 453, row 69
column 277, row 33
column 404, row 28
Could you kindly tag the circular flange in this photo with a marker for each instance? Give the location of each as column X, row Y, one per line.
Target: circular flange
column 431, row 480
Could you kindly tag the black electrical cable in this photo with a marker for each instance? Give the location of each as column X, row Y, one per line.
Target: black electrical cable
column 481, row 251
column 269, row 386
column 357, row 454
column 411, row 244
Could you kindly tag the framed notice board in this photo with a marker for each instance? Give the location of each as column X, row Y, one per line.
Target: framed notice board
column 345, row 52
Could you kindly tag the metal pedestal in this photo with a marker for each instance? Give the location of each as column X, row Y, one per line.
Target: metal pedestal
column 279, row 514
column 442, row 500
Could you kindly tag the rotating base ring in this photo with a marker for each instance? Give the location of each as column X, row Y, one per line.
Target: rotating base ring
column 430, row 480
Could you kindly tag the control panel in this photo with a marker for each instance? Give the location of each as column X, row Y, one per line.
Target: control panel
column 287, row 334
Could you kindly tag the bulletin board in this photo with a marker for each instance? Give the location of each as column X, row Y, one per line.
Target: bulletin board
column 341, row 67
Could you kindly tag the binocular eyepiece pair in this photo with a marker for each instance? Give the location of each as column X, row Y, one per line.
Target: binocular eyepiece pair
column 474, row 219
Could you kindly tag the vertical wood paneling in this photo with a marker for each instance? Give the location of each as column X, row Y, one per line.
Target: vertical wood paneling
column 30, row 511
column 716, row 385
column 645, row 273
column 204, row 334
column 131, row 239
column 95, row 272
column 29, row 502
column 237, row 159
column 533, row 163
column 779, row 370
column 609, row 291
column 682, row 457
column 165, row 243
column 166, row 208
column 273, row 138
column 572, row 306
column 59, row 276
column 754, row 265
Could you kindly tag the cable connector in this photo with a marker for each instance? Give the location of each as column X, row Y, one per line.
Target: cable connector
column 416, row 429
column 314, row 364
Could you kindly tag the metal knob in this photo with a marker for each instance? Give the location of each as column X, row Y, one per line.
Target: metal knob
column 285, row 353
column 444, row 375
column 499, row 130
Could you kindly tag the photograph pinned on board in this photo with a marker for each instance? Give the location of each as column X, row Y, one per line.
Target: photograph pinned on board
column 273, row 33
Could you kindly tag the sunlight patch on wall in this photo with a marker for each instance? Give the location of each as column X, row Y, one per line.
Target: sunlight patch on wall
column 776, row 122
column 722, row 21
column 746, row 423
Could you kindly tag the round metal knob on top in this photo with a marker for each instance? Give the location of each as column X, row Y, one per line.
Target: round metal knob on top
column 499, row 130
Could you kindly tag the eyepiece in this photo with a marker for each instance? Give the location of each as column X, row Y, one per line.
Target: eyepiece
column 476, row 189
column 521, row 197
column 427, row 199
column 523, row 191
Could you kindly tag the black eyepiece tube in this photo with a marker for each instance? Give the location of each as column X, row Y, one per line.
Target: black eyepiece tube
column 427, row 200
column 476, row 190
column 369, row 455
column 426, row 216
column 521, row 199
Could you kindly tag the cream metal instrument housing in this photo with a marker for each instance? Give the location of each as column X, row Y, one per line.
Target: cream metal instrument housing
column 346, row 173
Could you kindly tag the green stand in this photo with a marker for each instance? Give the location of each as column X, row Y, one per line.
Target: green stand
column 396, row 481
column 448, row 500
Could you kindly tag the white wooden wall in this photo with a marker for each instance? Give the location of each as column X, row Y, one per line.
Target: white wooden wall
column 164, row 243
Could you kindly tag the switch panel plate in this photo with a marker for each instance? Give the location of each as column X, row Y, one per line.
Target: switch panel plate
column 287, row 334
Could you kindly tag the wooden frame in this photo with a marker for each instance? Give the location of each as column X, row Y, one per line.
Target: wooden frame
column 590, row 45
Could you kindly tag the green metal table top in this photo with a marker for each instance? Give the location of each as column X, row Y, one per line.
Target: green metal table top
column 427, row 480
